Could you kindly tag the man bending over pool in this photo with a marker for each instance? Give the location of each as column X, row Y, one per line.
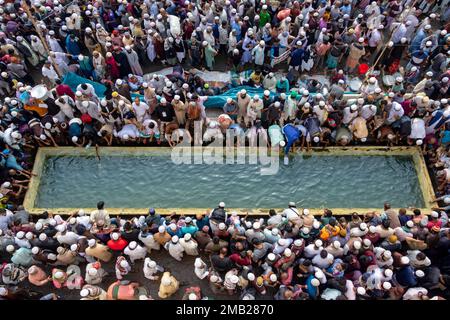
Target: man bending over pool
column 292, row 134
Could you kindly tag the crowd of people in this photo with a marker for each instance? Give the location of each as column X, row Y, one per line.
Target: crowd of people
column 393, row 55
column 291, row 255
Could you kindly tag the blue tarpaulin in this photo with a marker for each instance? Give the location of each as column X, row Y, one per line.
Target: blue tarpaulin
column 73, row 81
column 219, row 100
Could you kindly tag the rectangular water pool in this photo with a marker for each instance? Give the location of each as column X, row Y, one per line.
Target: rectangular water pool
column 134, row 180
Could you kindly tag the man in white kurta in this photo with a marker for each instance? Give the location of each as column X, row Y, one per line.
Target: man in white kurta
column 151, row 268
column 135, row 251
column 189, row 245
column 133, row 60
column 175, row 248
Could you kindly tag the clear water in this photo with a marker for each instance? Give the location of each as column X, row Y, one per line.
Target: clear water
column 154, row 181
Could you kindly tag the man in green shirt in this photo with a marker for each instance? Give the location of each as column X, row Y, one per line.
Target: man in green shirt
column 264, row 16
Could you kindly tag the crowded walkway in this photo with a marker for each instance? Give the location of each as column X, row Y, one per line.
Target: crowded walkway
column 384, row 70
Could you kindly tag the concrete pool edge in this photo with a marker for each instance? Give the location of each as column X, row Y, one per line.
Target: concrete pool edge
column 44, row 152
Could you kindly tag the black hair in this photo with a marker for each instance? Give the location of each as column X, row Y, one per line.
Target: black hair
column 100, row 205
column 80, row 229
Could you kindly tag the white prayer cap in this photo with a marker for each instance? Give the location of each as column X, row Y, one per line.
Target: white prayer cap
column 10, row 248
column 273, row 277
column 42, row 237
column 175, row 239
column 176, row 97
column 361, row 40
column 387, row 285
column 403, row 40
column 32, row 270
column 74, row 247
column 256, row 225
column 357, row 244
column 404, row 260
column 367, row 243
column 80, row 57
column 88, row 30
column 420, row 273
column 315, row 282
column 192, row 296
column 354, row 107
column 20, row 235
column 124, row 263
column 222, row 204
column 59, row 275
column 429, row 74
column 115, row 236
column 419, row 142
column 91, row 242
column 127, row 48
column 234, row 279
column 318, row 243
column 388, row 273
column 187, row 236
column 161, row 229
column 35, row 250
column 132, row 245
column 287, row 252
column 434, row 214
column 222, row 226
column 427, row 27
column 250, row 276
column 336, row 244
column 84, row 293
column 361, row 290
column 262, row 43
column 372, row 79
column 163, row 100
